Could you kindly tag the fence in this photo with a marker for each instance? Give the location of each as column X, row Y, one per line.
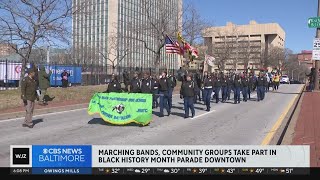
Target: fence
column 95, row 75
column 83, row 74
column 10, row 73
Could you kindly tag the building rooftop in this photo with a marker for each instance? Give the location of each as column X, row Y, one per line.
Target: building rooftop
column 252, row 28
column 306, row 52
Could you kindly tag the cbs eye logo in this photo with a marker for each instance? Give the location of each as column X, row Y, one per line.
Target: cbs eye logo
column 20, row 156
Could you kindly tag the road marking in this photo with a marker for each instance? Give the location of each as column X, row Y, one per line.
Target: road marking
column 276, row 126
column 204, row 114
column 54, row 113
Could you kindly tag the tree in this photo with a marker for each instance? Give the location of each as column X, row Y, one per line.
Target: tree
column 113, row 56
column 293, row 67
column 161, row 21
column 225, row 48
column 61, row 56
column 32, row 23
column 273, row 57
column 193, row 25
column 248, row 52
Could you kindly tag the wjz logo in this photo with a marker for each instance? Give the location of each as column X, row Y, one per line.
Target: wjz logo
column 20, row 156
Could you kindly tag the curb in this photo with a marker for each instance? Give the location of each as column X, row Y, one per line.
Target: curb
column 281, row 131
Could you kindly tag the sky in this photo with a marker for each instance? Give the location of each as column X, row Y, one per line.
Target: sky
column 292, row 15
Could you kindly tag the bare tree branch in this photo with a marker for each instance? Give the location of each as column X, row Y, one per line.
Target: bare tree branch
column 193, row 24
column 34, row 23
column 160, row 22
column 113, row 56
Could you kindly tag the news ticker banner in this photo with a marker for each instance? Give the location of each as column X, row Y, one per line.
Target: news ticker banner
column 83, row 159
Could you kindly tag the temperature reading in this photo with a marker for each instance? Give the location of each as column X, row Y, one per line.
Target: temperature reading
column 115, row 170
column 145, row 171
column 231, row 171
column 259, row 171
column 289, row 171
column 202, row 170
column 175, row 171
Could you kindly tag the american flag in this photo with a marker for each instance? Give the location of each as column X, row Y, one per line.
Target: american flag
column 172, row 47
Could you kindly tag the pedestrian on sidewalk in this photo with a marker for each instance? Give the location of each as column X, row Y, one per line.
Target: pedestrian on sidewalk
column 65, row 78
column 312, row 77
column 44, row 84
column 29, row 95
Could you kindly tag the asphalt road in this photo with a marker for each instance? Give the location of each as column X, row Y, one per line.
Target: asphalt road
column 227, row 124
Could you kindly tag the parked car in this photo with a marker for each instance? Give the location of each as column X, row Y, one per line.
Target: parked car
column 285, row 79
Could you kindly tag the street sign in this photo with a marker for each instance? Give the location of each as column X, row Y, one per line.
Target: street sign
column 316, row 49
column 314, row 22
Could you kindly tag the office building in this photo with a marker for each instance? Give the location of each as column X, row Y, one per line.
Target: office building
column 243, row 46
column 107, row 29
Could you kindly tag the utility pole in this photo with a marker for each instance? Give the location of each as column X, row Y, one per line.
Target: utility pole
column 317, row 62
column 48, row 55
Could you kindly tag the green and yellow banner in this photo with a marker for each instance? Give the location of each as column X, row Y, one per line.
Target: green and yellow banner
column 122, row 108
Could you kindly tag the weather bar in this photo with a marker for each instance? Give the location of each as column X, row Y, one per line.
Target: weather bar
column 201, row 171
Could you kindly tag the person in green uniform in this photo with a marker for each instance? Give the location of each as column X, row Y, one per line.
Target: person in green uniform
column 29, row 95
column 44, row 84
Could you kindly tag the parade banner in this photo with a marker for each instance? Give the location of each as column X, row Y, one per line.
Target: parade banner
column 122, row 108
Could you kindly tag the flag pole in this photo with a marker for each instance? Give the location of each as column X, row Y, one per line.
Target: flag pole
column 204, row 64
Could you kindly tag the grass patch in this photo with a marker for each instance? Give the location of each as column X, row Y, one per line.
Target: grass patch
column 12, row 98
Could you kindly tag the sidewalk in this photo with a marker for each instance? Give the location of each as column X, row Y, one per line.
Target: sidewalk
column 307, row 130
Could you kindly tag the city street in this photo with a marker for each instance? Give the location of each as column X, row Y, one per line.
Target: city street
column 227, row 124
